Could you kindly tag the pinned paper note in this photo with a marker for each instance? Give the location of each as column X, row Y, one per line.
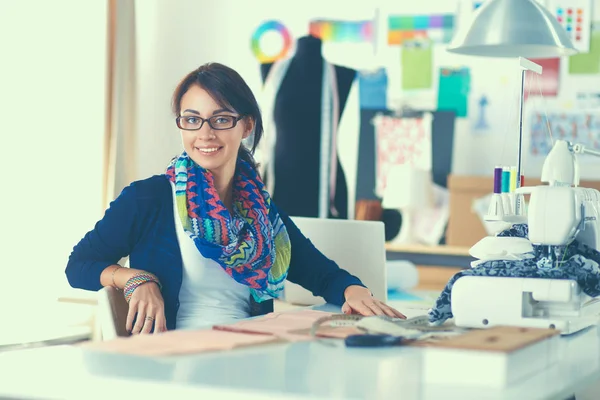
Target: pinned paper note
column 587, row 63
column 401, row 141
column 588, row 100
column 453, row 90
column 481, row 124
column 342, row 31
column 545, row 84
column 373, row 89
column 417, row 64
column 576, row 126
column 576, row 17
column 439, row 28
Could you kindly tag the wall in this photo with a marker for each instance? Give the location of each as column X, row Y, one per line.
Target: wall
column 178, row 36
column 52, row 124
column 175, row 37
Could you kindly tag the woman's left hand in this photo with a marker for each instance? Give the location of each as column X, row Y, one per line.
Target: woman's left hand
column 360, row 301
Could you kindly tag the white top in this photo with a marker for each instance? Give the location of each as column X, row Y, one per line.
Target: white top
column 208, row 295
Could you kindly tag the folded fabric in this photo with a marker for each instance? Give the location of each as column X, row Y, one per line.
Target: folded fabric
column 502, row 248
column 575, row 261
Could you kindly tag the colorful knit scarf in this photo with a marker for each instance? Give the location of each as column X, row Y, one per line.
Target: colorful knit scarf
column 252, row 245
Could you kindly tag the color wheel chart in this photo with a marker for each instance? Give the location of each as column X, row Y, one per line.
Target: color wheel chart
column 266, row 28
column 342, row 31
column 437, row 28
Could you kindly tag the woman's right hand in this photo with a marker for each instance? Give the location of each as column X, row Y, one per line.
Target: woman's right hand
column 147, row 308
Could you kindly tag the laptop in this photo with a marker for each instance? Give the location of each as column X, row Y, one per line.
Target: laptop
column 356, row 246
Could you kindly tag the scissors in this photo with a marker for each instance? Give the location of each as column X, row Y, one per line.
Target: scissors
column 373, row 340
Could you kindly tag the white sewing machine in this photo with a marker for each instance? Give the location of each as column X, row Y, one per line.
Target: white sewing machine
column 557, row 214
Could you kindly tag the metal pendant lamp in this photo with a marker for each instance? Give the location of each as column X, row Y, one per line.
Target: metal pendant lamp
column 513, row 28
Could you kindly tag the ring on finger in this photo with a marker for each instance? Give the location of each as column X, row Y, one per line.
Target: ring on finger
column 149, row 318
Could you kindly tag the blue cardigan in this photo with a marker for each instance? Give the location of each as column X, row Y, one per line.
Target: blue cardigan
column 140, row 224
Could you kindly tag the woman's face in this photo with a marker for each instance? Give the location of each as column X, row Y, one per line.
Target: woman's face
column 214, row 150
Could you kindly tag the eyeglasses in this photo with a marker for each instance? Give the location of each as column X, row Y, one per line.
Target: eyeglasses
column 216, row 122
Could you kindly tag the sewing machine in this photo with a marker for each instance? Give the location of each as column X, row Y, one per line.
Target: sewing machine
column 558, row 213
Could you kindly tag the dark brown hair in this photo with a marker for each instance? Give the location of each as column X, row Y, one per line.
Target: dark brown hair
column 229, row 90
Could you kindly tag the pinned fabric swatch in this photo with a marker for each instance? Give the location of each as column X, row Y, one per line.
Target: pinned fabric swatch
column 453, row 90
column 373, row 89
column 545, row 84
column 417, row 65
column 401, row 141
column 578, row 126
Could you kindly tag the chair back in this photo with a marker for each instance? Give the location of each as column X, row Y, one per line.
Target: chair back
column 112, row 313
column 356, row 246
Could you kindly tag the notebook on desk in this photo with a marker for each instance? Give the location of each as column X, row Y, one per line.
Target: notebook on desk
column 356, row 246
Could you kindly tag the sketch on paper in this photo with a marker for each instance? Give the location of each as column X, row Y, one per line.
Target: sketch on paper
column 581, row 127
column 400, row 141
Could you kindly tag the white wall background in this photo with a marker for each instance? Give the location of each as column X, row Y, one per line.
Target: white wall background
column 52, row 102
column 176, row 36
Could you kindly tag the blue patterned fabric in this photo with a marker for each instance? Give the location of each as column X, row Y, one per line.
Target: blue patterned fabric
column 575, row 261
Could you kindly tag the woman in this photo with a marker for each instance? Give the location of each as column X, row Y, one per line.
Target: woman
column 205, row 243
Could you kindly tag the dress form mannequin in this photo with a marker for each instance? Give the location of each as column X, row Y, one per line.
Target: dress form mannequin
column 297, row 118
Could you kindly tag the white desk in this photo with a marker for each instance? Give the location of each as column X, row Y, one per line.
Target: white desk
column 283, row 371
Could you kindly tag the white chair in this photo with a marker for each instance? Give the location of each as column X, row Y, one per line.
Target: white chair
column 356, row 246
column 111, row 315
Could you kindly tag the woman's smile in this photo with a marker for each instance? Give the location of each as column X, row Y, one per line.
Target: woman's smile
column 208, row 151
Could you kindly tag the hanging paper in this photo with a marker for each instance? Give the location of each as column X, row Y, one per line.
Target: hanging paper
column 587, row 63
column 342, row 31
column 373, row 89
column 481, row 123
column 401, row 141
column 545, row 84
column 417, row 64
column 438, row 28
column 576, row 17
column 453, row 90
column 588, row 100
column 581, row 127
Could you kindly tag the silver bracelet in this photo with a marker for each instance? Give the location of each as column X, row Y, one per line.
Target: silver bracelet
column 113, row 277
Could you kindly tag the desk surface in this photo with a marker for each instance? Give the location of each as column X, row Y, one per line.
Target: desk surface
column 424, row 249
column 283, row 371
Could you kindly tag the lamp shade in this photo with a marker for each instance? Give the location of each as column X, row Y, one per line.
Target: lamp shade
column 407, row 187
column 513, row 28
